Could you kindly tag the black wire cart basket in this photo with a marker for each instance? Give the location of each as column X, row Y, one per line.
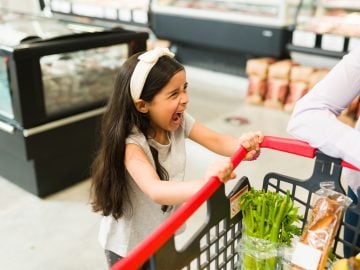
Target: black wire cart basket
column 215, row 245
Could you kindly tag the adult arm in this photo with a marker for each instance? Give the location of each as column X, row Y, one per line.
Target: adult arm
column 315, row 115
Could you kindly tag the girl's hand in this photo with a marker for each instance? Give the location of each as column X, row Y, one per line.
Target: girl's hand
column 222, row 169
column 251, row 142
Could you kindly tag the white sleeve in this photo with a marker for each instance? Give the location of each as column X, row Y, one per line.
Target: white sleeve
column 314, row 117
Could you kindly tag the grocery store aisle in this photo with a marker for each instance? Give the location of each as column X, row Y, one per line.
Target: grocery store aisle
column 60, row 231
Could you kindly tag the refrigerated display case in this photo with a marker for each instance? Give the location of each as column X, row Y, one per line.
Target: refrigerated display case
column 327, row 28
column 55, row 79
column 224, row 31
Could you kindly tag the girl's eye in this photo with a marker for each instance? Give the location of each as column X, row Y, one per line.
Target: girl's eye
column 174, row 94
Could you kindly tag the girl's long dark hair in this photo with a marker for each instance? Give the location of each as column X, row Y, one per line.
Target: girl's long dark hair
column 110, row 189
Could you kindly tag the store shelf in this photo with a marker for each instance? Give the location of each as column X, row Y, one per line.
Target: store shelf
column 336, row 4
column 327, row 28
column 133, row 13
column 315, row 51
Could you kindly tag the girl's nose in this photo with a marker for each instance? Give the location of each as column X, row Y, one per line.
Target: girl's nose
column 184, row 98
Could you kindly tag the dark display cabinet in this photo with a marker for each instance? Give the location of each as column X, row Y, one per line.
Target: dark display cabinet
column 55, row 79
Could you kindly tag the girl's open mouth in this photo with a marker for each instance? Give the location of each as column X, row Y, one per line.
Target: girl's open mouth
column 177, row 117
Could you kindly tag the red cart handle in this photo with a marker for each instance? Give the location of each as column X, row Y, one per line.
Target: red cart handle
column 150, row 245
column 296, row 147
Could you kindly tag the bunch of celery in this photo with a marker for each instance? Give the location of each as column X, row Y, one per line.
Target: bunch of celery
column 268, row 216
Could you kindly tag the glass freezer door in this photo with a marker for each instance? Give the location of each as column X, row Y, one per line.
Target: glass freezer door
column 76, row 80
column 6, row 108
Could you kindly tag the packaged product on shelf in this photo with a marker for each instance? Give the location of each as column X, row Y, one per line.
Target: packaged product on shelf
column 281, row 69
column 301, row 73
column 320, row 229
column 256, row 90
column 317, row 76
column 74, row 79
column 278, row 84
column 259, row 66
column 277, row 90
column 257, row 70
column 298, row 86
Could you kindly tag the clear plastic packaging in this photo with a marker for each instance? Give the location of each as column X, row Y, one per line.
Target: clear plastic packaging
column 258, row 254
column 322, row 225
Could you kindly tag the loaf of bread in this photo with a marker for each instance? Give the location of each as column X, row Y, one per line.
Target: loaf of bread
column 322, row 226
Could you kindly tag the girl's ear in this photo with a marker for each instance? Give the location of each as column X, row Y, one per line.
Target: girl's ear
column 141, row 106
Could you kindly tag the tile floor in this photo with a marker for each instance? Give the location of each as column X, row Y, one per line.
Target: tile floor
column 60, row 231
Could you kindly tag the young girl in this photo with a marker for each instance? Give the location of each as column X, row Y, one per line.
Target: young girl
column 139, row 170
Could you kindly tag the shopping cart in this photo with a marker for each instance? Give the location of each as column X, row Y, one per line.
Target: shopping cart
column 214, row 245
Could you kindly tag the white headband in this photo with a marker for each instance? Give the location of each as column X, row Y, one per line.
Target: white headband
column 146, row 62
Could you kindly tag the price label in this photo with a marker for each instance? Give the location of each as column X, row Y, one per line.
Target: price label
column 304, row 38
column 140, row 16
column 332, row 42
column 88, row 10
column 235, row 201
column 61, row 6
column 353, row 42
column 125, row 14
column 110, row 13
column 311, row 254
